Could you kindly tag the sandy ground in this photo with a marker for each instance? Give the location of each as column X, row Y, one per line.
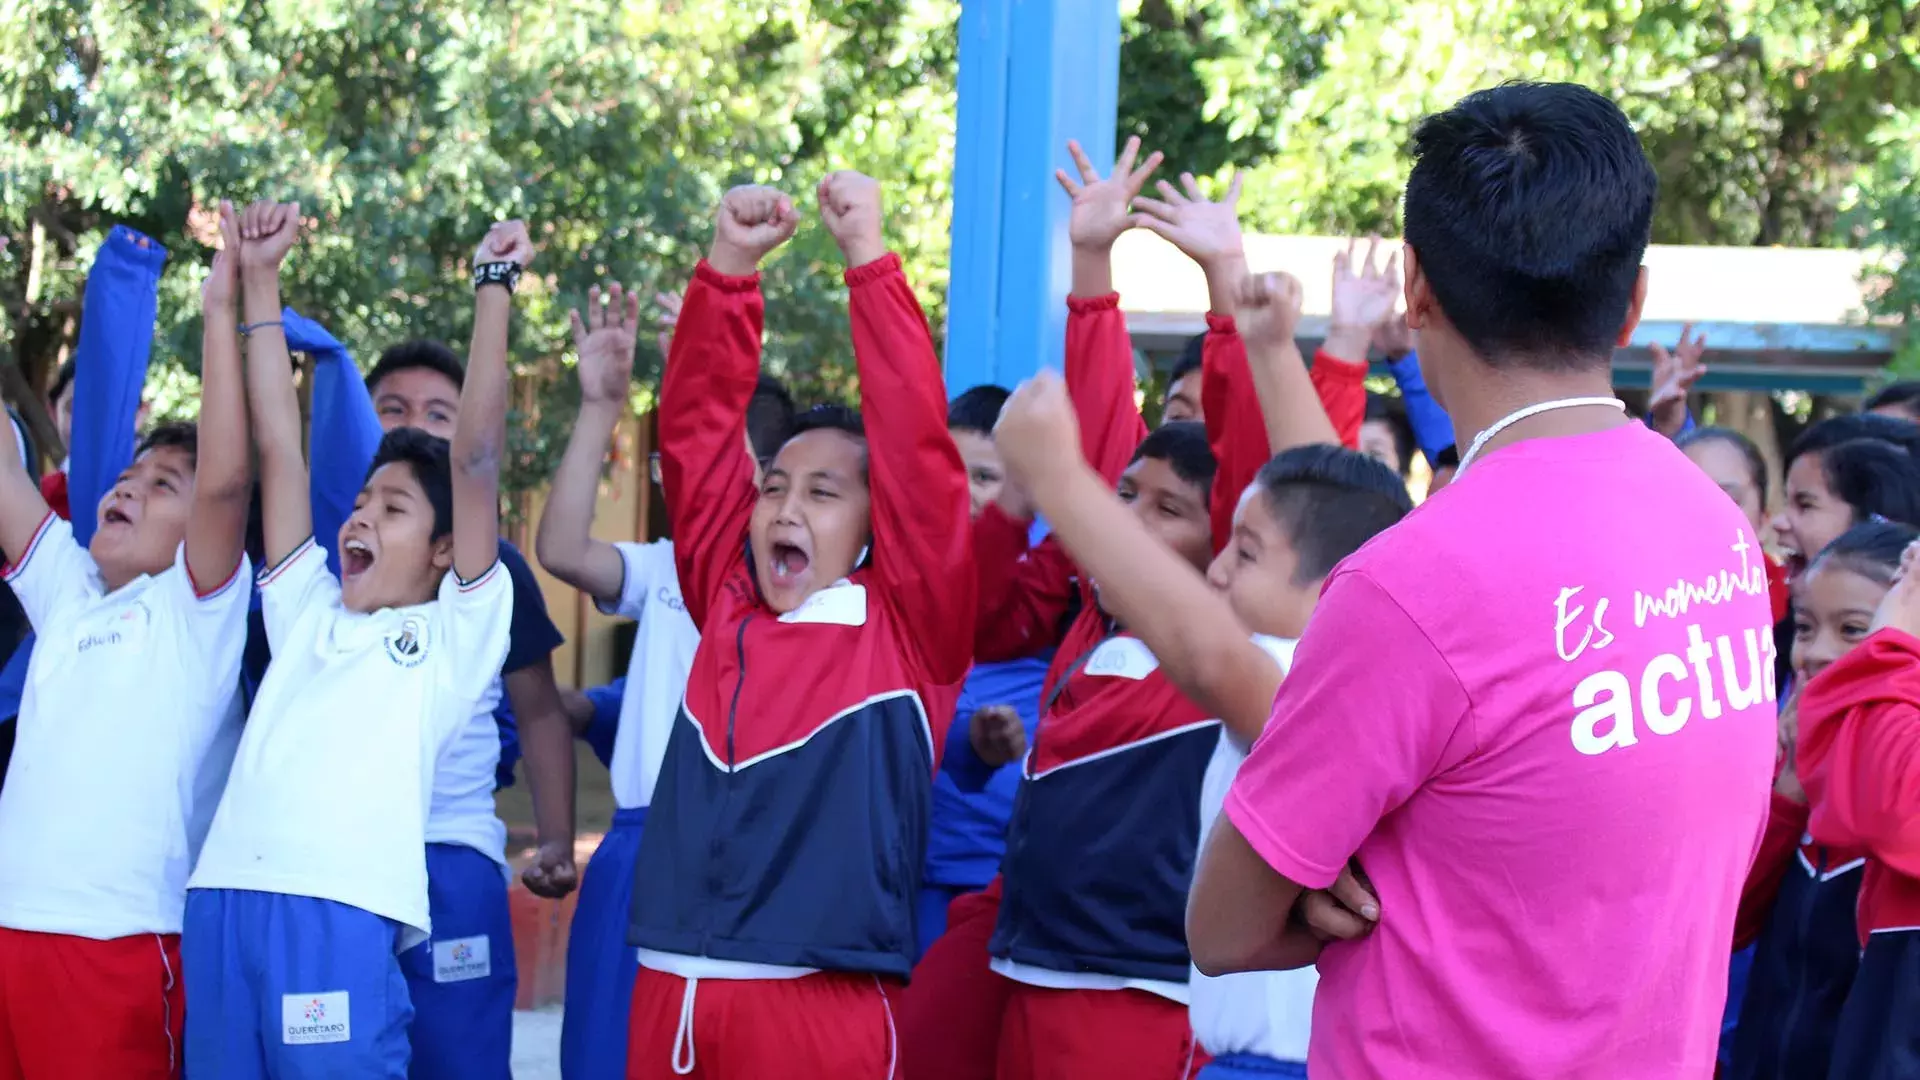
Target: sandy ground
column 536, row 1044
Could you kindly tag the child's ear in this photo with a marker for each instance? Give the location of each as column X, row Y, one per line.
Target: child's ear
column 443, row 553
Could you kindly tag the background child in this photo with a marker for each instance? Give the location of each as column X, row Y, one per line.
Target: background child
column 1803, row 892
column 307, row 889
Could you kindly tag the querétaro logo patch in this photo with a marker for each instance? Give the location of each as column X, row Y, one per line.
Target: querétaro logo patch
column 314, row 1018
column 407, row 646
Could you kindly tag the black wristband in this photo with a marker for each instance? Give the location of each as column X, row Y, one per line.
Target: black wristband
column 497, row 273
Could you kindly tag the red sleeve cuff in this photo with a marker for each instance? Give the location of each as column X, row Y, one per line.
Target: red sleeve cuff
column 868, row 272
column 1086, row 305
column 1356, row 369
column 726, row 282
column 1221, row 324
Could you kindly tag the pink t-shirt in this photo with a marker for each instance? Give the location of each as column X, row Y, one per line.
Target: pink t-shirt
column 1541, row 712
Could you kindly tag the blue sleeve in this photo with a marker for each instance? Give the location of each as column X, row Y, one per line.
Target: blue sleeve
column 532, row 636
column 1686, row 429
column 960, row 762
column 1432, row 427
column 13, row 678
column 110, row 368
column 346, row 430
column 606, row 719
column 509, row 727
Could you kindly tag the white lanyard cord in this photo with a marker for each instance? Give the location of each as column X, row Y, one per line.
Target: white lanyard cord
column 1480, row 441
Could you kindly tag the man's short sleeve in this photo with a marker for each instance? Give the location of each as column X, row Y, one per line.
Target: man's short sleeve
column 532, row 636
column 1368, row 712
column 54, row 577
column 476, row 618
column 300, row 587
column 641, row 568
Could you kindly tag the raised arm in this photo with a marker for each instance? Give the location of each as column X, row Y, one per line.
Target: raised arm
column 22, row 510
column 480, row 435
column 1099, row 352
column 604, row 341
column 1200, row 643
column 267, row 233
column 1432, row 427
column 110, row 369
column 1290, row 402
column 1208, row 232
column 713, row 365
column 1674, row 374
column 343, row 429
column 222, row 477
column 922, row 542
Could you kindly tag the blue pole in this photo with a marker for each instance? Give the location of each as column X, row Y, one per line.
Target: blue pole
column 1033, row 74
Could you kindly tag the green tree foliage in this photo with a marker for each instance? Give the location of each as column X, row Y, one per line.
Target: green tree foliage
column 403, row 127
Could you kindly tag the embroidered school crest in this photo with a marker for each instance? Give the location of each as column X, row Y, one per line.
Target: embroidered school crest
column 407, row 646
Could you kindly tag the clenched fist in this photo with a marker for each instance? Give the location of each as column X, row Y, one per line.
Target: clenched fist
column 753, row 220
column 850, row 209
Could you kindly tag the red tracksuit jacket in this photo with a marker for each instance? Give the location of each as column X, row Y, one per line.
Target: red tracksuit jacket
column 1859, row 759
column 789, row 826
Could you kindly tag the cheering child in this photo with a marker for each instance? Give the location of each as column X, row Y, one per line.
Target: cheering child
column 778, row 875
column 132, row 689
column 314, row 876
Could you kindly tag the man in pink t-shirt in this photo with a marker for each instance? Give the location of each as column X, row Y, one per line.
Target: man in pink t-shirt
column 1539, row 712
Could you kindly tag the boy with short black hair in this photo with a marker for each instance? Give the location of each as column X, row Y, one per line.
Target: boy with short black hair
column 635, row 581
column 129, row 717
column 305, row 893
column 776, row 882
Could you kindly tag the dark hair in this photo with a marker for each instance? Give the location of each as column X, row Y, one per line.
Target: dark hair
column 1756, row 463
column 1876, row 478
column 420, row 353
column 1393, row 413
column 428, row 457
column 832, row 418
column 1899, row 395
column 1448, row 458
column 1529, row 208
column 62, row 380
column 1331, row 501
column 769, row 418
column 1871, row 549
column 1192, row 355
column 171, row 435
column 1183, row 445
column 977, row 409
column 1835, row 430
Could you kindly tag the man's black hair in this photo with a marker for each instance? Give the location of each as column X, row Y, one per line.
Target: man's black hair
column 62, row 380
column 1756, row 463
column 1392, row 412
column 420, row 353
column 174, row 435
column 1529, row 208
column 1183, row 445
column 1330, row 500
column 1191, row 356
column 1871, row 549
column 1904, row 396
column 428, row 457
column 1835, row 430
column 1877, row 479
column 769, row 418
column 977, row 409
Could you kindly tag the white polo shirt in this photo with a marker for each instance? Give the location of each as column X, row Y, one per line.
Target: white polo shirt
column 461, row 809
column 663, row 646
column 1257, row 1012
column 328, row 796
column 131, row 712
